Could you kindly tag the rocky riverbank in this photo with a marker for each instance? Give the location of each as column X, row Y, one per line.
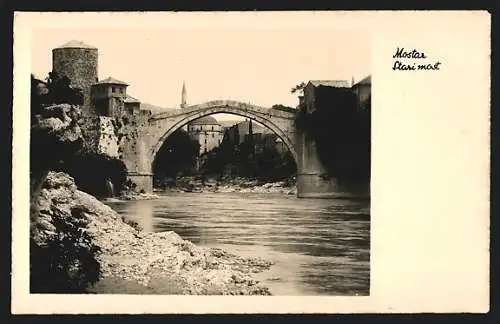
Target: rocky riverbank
column 147, row 262
column 131, row 195
column 191, row 184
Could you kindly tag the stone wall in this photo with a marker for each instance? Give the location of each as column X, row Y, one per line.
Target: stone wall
column 118, row 137
column 90, row 127
column 107, row 138
column 131, row 145
column 99, row 135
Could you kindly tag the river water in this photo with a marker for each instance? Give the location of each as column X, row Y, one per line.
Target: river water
column 318, row 246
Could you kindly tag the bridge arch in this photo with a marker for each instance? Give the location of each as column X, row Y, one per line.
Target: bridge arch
column 280, row 123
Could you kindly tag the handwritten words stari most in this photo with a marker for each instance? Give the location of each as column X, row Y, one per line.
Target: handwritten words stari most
column 413, row 60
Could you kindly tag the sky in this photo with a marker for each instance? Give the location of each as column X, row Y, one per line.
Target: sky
column 258, row 66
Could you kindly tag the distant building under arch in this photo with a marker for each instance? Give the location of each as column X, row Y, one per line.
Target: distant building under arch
column 207, row 131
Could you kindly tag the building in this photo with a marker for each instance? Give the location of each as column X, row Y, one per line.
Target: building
column 79, row 62
column 261, row 136
column 183, row 95
column 108, row 97
column 363, row 90
column 239, row 132
column 206, row 131
column 319, row 92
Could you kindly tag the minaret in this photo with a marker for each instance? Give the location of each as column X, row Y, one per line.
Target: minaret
column 184, row 95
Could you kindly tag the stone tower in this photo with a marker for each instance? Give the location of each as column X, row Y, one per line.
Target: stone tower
column 78, row 61
column 183, row 95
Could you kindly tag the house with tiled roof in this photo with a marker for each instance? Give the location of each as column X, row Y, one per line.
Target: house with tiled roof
column 315, row 89
column 113, row 81
column 363, row 90
column 109, row 97
column 329, row 83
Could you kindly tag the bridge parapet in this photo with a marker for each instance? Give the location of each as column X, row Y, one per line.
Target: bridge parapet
column 225, row 103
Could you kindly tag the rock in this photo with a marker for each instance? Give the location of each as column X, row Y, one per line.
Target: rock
column 129, row 195
column 147, row 259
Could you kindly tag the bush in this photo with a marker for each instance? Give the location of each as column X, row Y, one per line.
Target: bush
column 92, row 170
column 66, row 263
column 341, row 133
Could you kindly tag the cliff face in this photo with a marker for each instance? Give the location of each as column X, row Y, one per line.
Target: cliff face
column 100, row 135
column 55, row 135
column 158, row 262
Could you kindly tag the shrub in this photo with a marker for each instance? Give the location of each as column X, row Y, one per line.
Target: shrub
column 340, row 132
column 65, row 263
column 92, row 170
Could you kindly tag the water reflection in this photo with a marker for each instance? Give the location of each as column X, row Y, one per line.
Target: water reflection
column 319, row 246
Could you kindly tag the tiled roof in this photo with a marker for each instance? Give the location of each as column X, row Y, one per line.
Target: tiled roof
column 76, row 44
column 365, row 81
column 111, row 80
column 130, row 99
column 256, row 128
column 331, row 83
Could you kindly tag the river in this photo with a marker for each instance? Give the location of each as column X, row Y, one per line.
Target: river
column 318, row 246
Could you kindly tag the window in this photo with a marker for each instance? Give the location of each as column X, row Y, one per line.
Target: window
column 213, row 135
column 113, row 89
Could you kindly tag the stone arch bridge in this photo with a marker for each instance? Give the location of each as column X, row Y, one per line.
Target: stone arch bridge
column 139, row 151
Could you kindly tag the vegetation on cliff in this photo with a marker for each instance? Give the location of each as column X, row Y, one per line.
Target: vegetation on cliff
column 62, row 255
column 92, row 170
column 341, row 131
column 76, row 241
column 177, row 154
column 156, row 262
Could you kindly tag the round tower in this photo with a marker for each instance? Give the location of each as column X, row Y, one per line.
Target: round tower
column 77, row 61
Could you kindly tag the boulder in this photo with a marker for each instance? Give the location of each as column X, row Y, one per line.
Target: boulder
column 147, row 259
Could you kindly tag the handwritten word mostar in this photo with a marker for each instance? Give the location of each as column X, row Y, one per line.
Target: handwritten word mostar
column 414, row 54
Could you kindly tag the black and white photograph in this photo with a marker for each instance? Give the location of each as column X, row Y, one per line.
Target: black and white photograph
column 231, row 162
column 185, row 161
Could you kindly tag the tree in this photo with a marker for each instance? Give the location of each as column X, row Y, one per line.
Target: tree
column 298, row 88
column 341, row 133
column 61, row 91
column 283, row 108
column 65, row 261
column 178, row 153
column 101, row 167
